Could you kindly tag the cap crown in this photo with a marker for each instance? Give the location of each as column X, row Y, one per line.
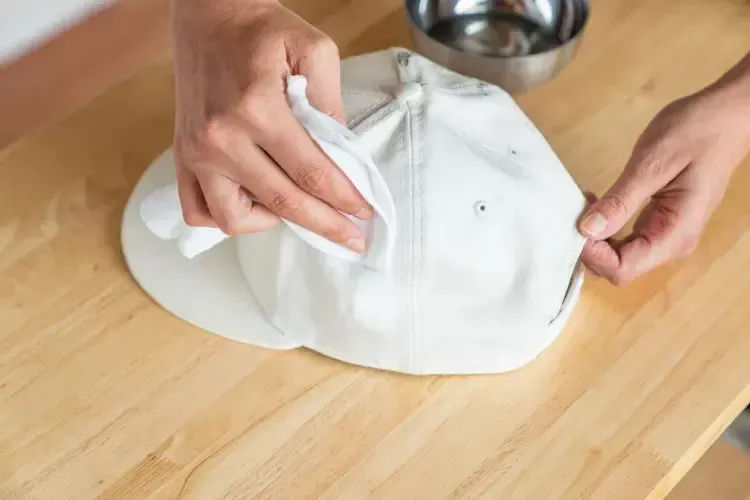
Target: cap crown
column 486, row 245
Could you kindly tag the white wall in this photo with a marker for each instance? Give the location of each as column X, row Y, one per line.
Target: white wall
column 27, row 23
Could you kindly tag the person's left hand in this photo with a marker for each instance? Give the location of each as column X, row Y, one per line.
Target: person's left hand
column 680, row 168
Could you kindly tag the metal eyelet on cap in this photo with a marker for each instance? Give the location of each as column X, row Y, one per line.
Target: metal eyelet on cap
column 481, row 207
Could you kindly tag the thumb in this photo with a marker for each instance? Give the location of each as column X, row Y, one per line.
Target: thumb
column 612, row 211
column 619, row 204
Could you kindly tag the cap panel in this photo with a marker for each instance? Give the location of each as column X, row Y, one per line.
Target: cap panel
column 494, row 126
column 332, row 306
column 341, row 309
column 374, row 72
column 499, row 242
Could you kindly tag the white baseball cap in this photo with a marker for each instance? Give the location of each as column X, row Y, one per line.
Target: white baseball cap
column 482, row 265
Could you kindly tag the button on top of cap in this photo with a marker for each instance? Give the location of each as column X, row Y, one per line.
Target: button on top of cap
column 409, row 91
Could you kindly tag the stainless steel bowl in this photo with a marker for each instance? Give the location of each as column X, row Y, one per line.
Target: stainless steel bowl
column 516, row 44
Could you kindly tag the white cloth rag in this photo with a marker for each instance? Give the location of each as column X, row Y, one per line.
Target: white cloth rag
column 161, row 211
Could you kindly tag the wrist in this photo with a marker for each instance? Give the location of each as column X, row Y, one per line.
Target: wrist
column 733, row 87
column 729, row 98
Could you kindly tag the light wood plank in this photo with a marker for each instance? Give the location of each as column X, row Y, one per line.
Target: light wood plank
column 104, row 395
column 67, row 71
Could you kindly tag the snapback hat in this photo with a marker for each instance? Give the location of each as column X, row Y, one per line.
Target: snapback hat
column 472, row 263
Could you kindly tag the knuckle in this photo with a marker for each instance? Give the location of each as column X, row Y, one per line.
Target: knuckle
column 181, row 158
column 229, row 224
column 652, row 164
column 688, row 245
column 622, row 275
column 314, row 179
column 666, row 221
column 254, row 110
column 283, row 204
column 590, row 261
column 615, row 203
column 620, row 278
column 213, row 133
column 185, row 152
column 335, row 232
column 261, row 119
column 321, row 47
column 193, row 218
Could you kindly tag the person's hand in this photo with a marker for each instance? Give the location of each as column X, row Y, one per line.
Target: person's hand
column 235, row 135
column 679, row 170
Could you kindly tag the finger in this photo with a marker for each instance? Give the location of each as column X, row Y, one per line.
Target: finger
column 640, row 253
column 292, row 148
column 639, row 256
column 646, row 219
column 254, row 170
column 657, row 241
column 590, row 256
column 622, row 263
column 232, row 208
column 319, row 63
column 645, row 174
column 593, row 273
column 194, row 208
column 601, row 258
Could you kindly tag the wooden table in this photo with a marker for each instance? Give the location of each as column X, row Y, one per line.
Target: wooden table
column 105, row 395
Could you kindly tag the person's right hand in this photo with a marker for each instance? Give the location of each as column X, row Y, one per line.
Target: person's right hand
column 678, row 172
column 235, row 135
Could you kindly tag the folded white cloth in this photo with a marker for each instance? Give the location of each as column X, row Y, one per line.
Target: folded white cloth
column 161, row 211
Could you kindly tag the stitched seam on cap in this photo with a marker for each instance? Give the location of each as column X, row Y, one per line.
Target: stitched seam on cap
column 405, row 279
column 496, row 157
column 364, row 90
column 365, row 120
column 406, row 74
column 415, row 112
column 417, row 146
column 371, row 109
column 412, row 243
column 463, row 134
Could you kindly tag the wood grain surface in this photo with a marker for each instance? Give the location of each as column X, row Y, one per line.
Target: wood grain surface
column 105, row 395
column 64, row 73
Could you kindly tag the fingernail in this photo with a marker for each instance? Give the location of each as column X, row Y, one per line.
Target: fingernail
column 356, row 244
column 364, row 214
column 593, row 224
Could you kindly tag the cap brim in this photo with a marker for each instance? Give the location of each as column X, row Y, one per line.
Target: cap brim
column 207, row 291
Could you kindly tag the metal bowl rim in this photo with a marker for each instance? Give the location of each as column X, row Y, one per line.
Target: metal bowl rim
column 479, row 55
